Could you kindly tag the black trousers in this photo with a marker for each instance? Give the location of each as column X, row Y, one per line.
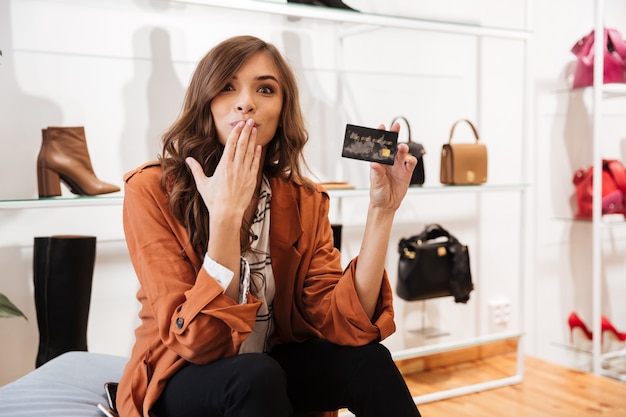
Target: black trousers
column 295, row 379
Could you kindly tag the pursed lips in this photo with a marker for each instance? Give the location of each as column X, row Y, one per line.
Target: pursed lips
column 233, row 124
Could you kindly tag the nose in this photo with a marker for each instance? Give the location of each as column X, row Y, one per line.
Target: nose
column 245, row 102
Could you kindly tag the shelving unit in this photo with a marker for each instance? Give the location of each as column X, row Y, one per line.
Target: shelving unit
column 601, row 92
column 425, row 350
column 352, row 24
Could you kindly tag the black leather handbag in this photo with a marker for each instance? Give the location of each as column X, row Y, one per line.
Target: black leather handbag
column 415, row 149
column 336, row 4
column 433, row 264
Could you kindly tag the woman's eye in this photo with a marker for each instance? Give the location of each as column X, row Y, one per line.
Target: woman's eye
column 228, row 87
column 266, row 90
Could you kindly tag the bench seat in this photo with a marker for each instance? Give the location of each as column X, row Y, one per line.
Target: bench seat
column 69, row 385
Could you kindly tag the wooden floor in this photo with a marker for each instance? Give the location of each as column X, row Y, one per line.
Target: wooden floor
column 548, row 390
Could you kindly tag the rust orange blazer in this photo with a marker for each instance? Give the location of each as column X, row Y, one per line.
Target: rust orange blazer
column 186, row 317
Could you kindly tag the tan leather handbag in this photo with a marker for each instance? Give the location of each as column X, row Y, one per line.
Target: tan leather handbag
column 463, row 163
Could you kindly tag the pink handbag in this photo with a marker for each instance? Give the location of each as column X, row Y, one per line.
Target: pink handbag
column 614, row 59
column 613, row 189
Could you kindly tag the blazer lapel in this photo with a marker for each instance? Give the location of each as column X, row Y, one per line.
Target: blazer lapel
column 285, row 230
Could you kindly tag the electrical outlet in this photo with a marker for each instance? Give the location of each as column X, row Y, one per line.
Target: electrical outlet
column 500, row 311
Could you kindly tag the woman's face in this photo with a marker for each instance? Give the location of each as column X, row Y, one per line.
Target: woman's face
column 253, row 92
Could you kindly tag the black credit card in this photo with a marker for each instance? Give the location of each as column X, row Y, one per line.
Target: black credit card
column 369, row 144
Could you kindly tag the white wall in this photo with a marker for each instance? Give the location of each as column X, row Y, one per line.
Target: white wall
column 120, row 68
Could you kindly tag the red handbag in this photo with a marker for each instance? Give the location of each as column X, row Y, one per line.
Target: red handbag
column 614, row 59
column 613, row 189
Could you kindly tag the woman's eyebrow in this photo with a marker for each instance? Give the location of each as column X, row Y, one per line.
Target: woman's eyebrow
column 266, row 77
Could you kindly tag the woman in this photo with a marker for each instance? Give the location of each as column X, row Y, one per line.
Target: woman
column 246, row 310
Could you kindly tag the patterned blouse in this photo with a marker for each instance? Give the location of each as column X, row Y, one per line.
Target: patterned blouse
column 256, row 274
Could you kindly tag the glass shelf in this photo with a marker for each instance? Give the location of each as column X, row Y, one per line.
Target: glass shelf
column 614, row 90
column 57, row 202
column 608, row 221
column 368, row 19
column 118, row 198
column 433, row 189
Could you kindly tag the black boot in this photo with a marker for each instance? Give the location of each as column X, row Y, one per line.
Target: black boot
column 336, row 236
column 337, row 4
column 62, row 274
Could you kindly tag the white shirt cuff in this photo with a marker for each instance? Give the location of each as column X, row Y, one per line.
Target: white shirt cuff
column 219, row 272
column 224, row 276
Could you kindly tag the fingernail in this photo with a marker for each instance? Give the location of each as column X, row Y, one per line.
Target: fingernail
column 250, row 122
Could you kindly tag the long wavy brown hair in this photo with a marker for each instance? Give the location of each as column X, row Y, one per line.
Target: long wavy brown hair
column 194, row 134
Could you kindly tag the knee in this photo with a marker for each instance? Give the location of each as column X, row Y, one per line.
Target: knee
column 376, row 352
column 259, row 372
column 373, row 357
column 257, row 386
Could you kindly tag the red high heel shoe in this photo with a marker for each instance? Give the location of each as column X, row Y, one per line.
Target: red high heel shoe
column 574, row 321
column 607, row 326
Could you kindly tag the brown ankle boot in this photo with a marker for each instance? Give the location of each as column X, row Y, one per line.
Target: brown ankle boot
column 64, row 156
